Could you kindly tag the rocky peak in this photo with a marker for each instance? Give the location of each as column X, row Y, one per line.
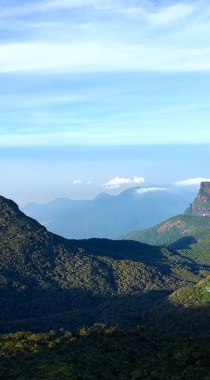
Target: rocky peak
column 201, row 204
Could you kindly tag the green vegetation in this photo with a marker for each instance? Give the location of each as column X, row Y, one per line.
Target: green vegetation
column 178, row 231
column 50, row 282
column 51, row 286
column 185, row 311
column 188, row 234
column 103, row 353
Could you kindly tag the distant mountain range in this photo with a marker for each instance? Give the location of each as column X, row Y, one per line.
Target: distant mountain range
column 50, row 282
column 109, row 216
column 100, row 308
column 181, row 230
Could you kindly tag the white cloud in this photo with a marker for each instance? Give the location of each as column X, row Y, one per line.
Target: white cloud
column 192, row 181
column 171, row 14
column 138, row 180
column 148, row 189
column 159, row 17
column 89, row 182
column 96, row 57
column 117, row 182
column 101, row 43
column 77, row 181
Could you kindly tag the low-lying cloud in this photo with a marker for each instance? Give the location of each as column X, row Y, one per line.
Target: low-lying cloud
column 148, row 189
column 117, row 182
column 77, row 181
column 191, row 181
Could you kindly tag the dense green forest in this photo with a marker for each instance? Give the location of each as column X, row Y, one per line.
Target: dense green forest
column 103, row 353
column 50, row 282
column 69, row 309
column 185, row 311
column 188, row 235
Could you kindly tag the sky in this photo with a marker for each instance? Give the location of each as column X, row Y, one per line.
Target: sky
column 41, row 174
column 97, row 73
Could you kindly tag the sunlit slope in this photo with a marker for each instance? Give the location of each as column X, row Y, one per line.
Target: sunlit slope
column 172, row 230
column 50, row 281
column 185, row 311
column 183, row 231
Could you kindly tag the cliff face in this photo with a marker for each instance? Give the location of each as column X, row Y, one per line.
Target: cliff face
column 201, row 204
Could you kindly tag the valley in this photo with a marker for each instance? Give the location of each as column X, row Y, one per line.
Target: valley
column 100, row 308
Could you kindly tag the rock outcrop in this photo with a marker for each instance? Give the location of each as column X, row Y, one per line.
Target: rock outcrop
column 201, row 204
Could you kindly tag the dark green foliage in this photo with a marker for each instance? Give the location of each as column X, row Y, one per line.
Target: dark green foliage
column 50, row 282
column 190, row 235
column 103, row 353
column 186, row 311
column 47, row 282
column 179, row 230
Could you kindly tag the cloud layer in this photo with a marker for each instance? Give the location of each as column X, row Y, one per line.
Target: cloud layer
column 192, row 181
column 109, row 72
column 89, row 37
column 117, row 182
column 149, row 189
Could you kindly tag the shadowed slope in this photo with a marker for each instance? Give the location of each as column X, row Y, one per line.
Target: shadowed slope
column 46, row 276
column 171, row 230
column 186, row 311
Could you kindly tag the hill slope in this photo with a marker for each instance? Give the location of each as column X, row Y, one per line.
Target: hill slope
column 47, row 281
column 179, row 230
column 185, row 311
column 182, row 230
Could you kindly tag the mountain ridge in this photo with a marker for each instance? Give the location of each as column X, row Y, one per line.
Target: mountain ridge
column 50, row 281
column 187, row 232
column 108, row 216
column 100, row 290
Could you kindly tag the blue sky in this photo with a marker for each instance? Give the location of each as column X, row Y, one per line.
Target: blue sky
column 42, row 174
column 91, row 72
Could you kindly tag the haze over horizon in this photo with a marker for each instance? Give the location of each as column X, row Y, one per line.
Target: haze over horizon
column 93, row 92
column 43, row 174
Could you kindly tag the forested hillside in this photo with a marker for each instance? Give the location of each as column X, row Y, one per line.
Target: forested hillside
column 101, row 353
column 186, row 311
column 189, row 232
column 176, row 232
column 70, row 295
column 51, row 282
